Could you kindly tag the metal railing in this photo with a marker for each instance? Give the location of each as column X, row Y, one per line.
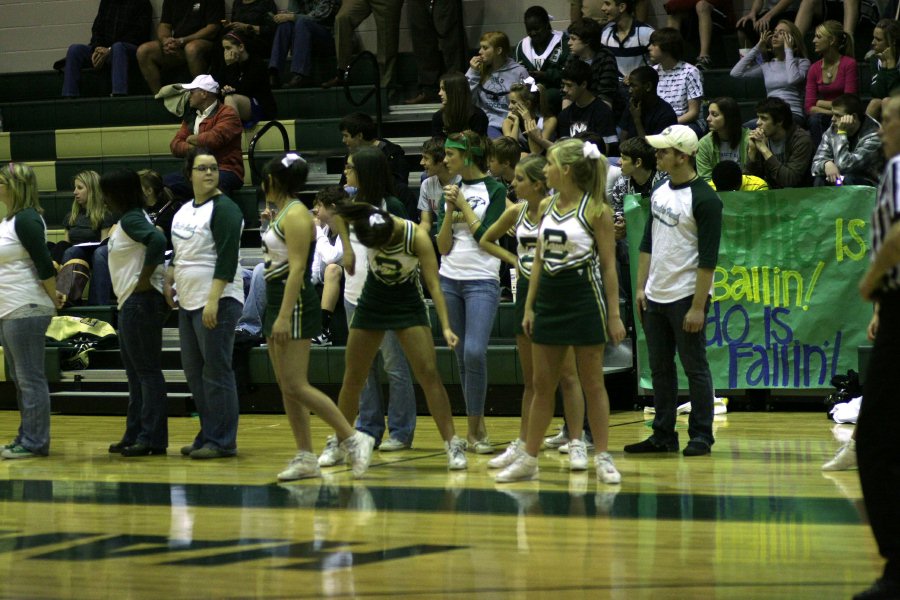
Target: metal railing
column 254, row 170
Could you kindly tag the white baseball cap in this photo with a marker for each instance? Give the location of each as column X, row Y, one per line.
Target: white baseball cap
column 680, row 137
column 203, row 82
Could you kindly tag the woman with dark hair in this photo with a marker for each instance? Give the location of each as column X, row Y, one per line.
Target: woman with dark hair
column 244, row 83
column 159, row 202
column 293, row 317
column 491, row 73
column 835, row 74
column 28, row 300
column 727, row 138
column 885, row 76
column 470, row 277
column 136, row 250
column 457, row 113
column 392, row 301
column 206, row 234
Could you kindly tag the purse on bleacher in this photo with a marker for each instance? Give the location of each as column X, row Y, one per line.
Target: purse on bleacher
column 71, row 280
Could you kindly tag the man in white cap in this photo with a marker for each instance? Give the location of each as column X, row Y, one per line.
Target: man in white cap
column 212, row 125
column 678, row 256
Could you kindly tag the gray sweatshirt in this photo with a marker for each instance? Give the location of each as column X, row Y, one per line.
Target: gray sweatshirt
column 492, row 96
column 783, row 79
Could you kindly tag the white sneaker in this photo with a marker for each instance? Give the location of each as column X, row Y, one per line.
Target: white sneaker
column 483, row 446
column 578, row 458
column 844, row 459
column 359, row 447
column 564, row 449
column 606, row 469
column 720, row 407
column 508, row 457
column 332, row 454
column 302, row 466
column 392, row 444
column 557, row 440
column 456, row 454
column 525, row 468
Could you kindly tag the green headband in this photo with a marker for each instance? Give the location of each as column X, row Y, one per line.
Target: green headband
column 464, row 146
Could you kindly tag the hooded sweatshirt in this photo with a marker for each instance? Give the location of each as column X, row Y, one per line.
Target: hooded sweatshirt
column 492, row 96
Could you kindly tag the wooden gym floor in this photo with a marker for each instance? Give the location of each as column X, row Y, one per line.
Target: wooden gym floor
column 756, row 519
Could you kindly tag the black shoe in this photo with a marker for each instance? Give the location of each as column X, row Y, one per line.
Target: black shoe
column 323, row 339
column 338, row 80
column 118, row 447
column 274, row 80
column 142, row 450
column 696, row 449
column 882, row 589
column 649, row 445
column 186, row 450
column 207, row 452
column 299, row 81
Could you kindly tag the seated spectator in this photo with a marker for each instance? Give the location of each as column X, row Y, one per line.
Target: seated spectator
column 119, row 28
column 586, row 113
column 626, row 37
column 254, row 22
column 212, row 125
column 638, row 176
column 306, row 25
column 358, row 130
column 244, row 83
column 436, row 178
column 161, row 204
column 780, row 59
column 728, row 177
column 387, row 25
column 680, row 84
column 491, row 74
column 829, row 77
column 457, row 112
column 708, row 12
column 780, row 152
column 762, row 14
column 850, row 150
column 503, row 155
column 530, row 121
column 727, row 139
column 186, row 34
column 586, row 45
column 647, row 113
column 326, row 272
column 885, row 75
column 542, row 51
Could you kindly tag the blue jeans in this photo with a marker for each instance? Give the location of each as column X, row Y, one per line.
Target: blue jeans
column 299, row 37
column 206, row 357
column 141, row 323
column 472, row 306
column 100, row 292
column 402, row 406
column 665, row 335
column 23, row 347
column 254, row 303
column 79, row 56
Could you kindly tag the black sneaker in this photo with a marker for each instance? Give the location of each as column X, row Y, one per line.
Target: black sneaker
column 649, row 446
column 323, row 339
column 882, row 589
column 696, row 449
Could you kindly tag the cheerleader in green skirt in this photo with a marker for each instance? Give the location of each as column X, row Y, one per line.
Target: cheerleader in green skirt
column 573, row 299
column 525, row 219
column 392, row 300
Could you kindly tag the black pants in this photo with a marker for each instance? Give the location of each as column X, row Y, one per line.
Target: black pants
column 876, row 437
column 436, row 29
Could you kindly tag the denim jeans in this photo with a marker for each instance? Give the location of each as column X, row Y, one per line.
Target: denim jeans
column 402, row 406
column 254, row 303
column 79, row 56
column 23, row 347
column 472, row 306
column 141, row 323
column 100, row 292
column 299, row 37
column 206, row 358
column 665, row 335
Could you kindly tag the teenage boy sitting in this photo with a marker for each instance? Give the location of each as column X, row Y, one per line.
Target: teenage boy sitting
column 326, row 272
column 586, row 113
column 680, row 83
column 436, row 178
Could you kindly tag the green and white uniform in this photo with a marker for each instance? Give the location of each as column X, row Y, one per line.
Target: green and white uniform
column 306, row 316
column 526, row 243
column 392, row 297
column 570, row 308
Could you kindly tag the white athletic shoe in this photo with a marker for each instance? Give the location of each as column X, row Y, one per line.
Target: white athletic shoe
column 844, row 459
column 456, row 454
column 359, row 448
column 332, row 454
column 557, row 440
column 564, row 449
column 578, row 458
column 525, row 468
column 392, row 444
column 302, row 466
column 606, row 469
column 508, row 457
column 483, row 446
column 720, row 407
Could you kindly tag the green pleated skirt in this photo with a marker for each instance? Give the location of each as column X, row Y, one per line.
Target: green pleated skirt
column 390, row 307
column 306, row 316
column 570, row 309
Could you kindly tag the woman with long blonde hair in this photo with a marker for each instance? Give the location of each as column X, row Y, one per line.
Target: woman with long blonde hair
column 491, row 74
column 833, row 75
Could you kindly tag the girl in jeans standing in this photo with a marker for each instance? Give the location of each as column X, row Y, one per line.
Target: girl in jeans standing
column 136, row 250
column 28, row 300
column 470, row 277
column 206, row 234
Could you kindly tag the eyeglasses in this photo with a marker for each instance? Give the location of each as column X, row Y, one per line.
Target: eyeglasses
column 207, row 168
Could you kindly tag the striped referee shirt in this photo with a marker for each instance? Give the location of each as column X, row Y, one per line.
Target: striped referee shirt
column 887, row 212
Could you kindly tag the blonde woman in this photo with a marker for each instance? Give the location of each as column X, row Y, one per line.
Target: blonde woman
column 491, row 75
column 835, row 74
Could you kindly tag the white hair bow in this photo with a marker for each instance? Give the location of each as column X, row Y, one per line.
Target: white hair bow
column 376, row 219
column 590, row 150
column 531, row 83
column 290, row 159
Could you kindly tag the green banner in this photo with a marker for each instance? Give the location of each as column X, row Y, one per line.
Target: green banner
column 785, row 312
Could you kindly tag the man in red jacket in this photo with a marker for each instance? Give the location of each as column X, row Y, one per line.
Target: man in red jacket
column 212, row 125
